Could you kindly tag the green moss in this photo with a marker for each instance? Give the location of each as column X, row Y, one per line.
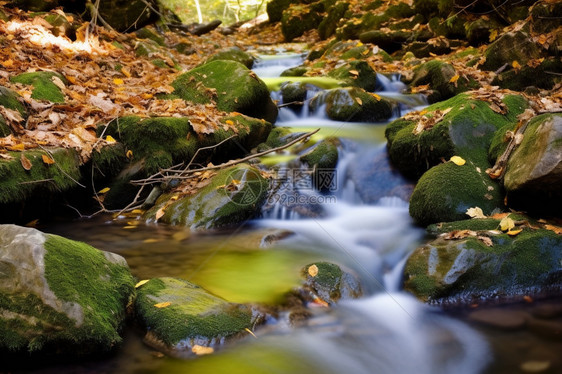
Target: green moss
column 233, row 196
column 230, row 85
column 299, row 18
column 233, row 54
column 477, row 224
column 275, row 9
column 109, row 159
column 193, row 314
column 147, row 33
column 297, row 71
column 79, row 273
column 43, row 86
column 519, row 80
column 445, row 192
column 356, row 74
column 511, row 46
column 327, row 26
column 16, row 183
column 324, row 155
column 353, row 105
column 466, row 131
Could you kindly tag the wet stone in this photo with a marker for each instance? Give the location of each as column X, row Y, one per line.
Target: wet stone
column 501, row 319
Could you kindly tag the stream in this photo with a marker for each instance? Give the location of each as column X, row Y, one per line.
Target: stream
column 386, row 331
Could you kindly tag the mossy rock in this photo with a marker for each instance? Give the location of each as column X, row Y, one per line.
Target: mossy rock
column 475, row 224
column 323, row 159
column 356, row 74
column 150, row 33
column 194, row 316
column 446, row 191
column 146, row 48
column 348, row 50
column 330, row 282
column 534, row 170
column 127, row 16
column 512, row 46
column 300, row 18
column 389, row 41
column 275, row 9
column 437, row 74
column 17, row 183
column 234, row 54
column 466, row 131
column 467, row 271
column 544, row 76
column 452, row 29
column 428, row 8
column 59, row 296
column 478, row 31
column 232, row 197
column 43, row 84
column 109, row 160
column 545, row 17
column 352, row 105
column 297, row 71
column 437, row 46
column 229, row 84
column 328, row 25
column 61, row 26
column 10, row 100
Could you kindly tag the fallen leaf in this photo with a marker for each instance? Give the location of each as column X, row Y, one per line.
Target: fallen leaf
column 354, row 72
column 110, row 139
column 159, row 213
column 359, row 101
column 25, row 163
column 454, row 78
column 506, row 224
column 556, row 229
column 516, row 65
column 140, row 283
column 313, row 270
column 487, row 241
column 475, row 212
column 104, row 190
column 201, row 350
column 47, row 159
column 163, row 305
column 250, row 332
column 458, row 160
column 129, row 154
column 514, row 232
column 118, row 81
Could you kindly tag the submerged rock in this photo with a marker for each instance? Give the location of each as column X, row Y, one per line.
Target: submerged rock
column 59, row 296
column 466, row 271
column 534, row 171
column 179, row 316
column 231, row 85
column 233, row 196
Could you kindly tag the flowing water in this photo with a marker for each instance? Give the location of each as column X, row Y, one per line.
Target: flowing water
column 386, row 331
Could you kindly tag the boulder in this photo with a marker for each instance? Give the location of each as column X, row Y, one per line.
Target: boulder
column 352, row 105
column 180, row 317
column 534, row 171
column 466, row 270
column 389, row 41
column 234, row 54
column 59, row 296
column 446, row 191
column 233, row 196
column 463, row 126
column 329, row 282
column 323, row 159
column 545, row 75
column 275, row 9
column 502, row 52
column 300, row 18
column 328, row 25
column 129, row 15
column 356, row 74
column 437, row 74
column 46, row 85
column 229, row 84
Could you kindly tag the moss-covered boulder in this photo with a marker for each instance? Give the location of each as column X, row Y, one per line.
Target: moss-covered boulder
column 356, row 74
column 534, row 171
column 59, row 296
column 152, row 34
column 446, row 191
column 461, row 126
column 478, row 31
column 300, row 18
column 26, row 173
column 323, row 159
column 328, row 25
column 179, row 315
column 229, row 84
column 329, row 282
column 502, row 51
column 233, row 196
column 545, row 75
column 468, row 270
column 13, row 108
column 46, row 85
column 275, row 9
column 439, row 76
column 352, row 105
column 129, row 15
column 389, row 41
column 345, row 50
column 545, row 16
column 234, row 54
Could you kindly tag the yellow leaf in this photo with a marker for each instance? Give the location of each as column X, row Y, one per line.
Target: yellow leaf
column 163, row 305
column 493, row 35
column 376, row 96
column 359, row 44
column 313, row 270
column 141, row 283
column 229, row 122
column 25, row 163
column 129, row 154
column 359, row 101
column 118, row 81
column 110, row 139
column 516, row 65
column 17, row 147
column 354, row 72
column 150, row 240
column 458, row 160
column 506, row 224
column 137, row 211
column 159, row 213
column 201, row 350
column 129, row 227
column 556, row 229
column 475, row 212
column 454, row 78
column 147, row 96
column 71, row 79
column 125, row 72
column 47, row 159
column 104, row 190
column 250, row 332
column 514, row 232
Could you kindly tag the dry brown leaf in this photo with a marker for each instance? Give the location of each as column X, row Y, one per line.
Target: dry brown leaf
column 202, row 350
column 313, row 270
column 25, row 163
column 47, row 159
column 556, row 229
column 475, row 212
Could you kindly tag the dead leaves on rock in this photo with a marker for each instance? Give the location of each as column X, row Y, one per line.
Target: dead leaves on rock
column 426, row 120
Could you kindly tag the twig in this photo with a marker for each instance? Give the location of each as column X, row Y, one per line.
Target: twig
column 498, row 170
column 185, row 173
column 50, row 154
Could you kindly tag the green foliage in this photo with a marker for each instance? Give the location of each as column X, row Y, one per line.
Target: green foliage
column 229, row 11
